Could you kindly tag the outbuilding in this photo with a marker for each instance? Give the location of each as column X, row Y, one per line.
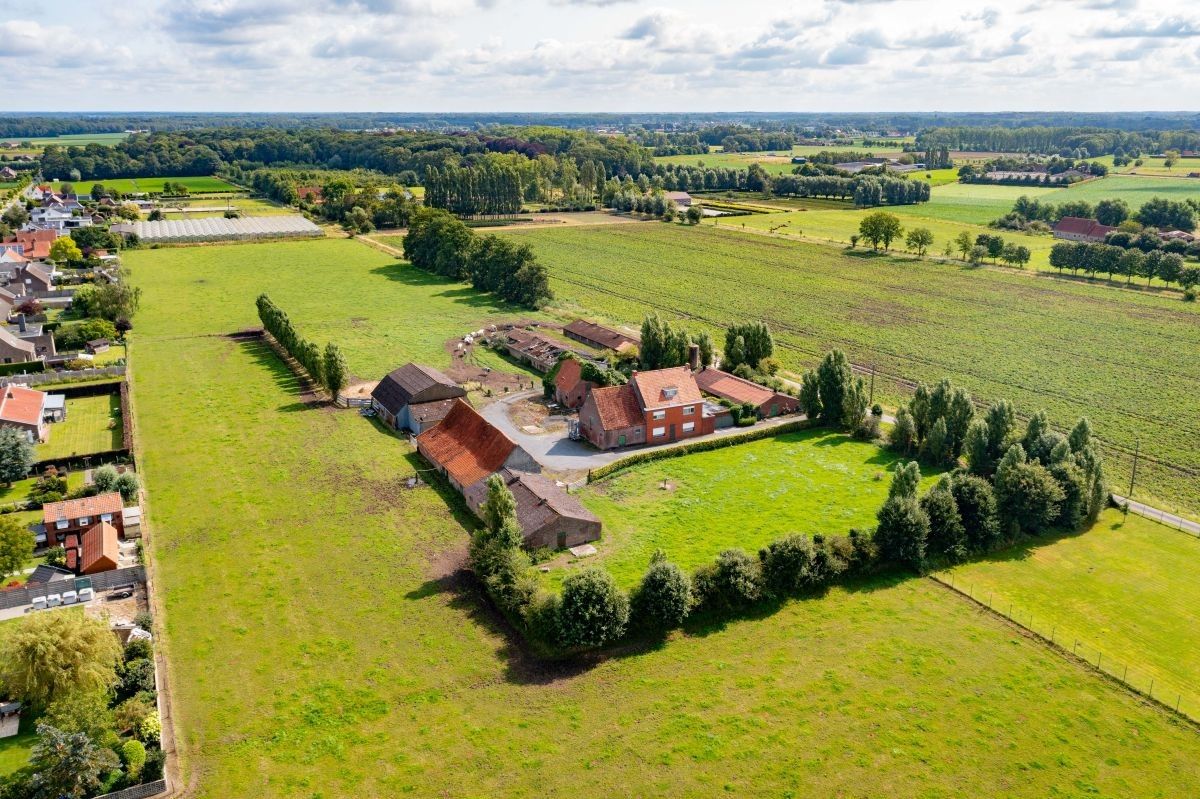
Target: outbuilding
column 415, row 397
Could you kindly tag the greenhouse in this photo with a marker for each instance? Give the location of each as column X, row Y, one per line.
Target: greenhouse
column 220, row 229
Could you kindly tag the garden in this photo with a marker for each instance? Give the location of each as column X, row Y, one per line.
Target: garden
column 93, row 425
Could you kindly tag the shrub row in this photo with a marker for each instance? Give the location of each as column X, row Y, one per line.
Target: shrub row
column 326, row 368
column 704, row 445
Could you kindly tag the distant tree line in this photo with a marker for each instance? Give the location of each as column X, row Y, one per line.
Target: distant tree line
column 1077, row 141
column 439, row 243
column 326, row 367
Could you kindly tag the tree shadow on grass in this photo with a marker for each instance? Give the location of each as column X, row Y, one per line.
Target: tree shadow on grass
column 454, row 290
column 281, row 374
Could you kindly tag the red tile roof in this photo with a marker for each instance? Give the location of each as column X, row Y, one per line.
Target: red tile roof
column 465, row 445
column 617, row 407
column 569, row 374
column 35, row 244
column 100, row 549
column 24, row 405
column 731, row 387
column 665, row 388
column 84, row 506
column 1077, row 226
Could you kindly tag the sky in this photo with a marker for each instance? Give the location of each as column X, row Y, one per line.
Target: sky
column 600, row 55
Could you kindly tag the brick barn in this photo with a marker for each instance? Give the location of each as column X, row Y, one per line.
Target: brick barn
column 549, row 516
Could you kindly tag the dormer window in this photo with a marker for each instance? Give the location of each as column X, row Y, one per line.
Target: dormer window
column 669, row 393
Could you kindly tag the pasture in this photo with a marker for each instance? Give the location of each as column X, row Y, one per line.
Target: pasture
column 1066, row 346
column 1125, row 590
column 93, row 424
column 1132, row 189
column 195, row 185
column 381, row 312
column 291, row 677
column 745, row 496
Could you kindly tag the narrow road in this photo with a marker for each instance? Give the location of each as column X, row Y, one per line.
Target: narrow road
column 1169, row 519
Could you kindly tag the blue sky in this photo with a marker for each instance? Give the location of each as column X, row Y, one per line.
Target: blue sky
column 600, row 55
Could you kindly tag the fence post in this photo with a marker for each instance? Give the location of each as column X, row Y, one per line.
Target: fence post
column 1151, row 687
column 1126, row 674
column 1075, row 648
column 1177, row 700
column 1099, row 657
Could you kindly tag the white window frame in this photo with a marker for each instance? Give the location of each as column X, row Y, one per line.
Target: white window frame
column 689, row 410
column 660, row 415
column 689, row 427
column 658, row 432
column 61, row 524
column 106, row 517
column 84, row 520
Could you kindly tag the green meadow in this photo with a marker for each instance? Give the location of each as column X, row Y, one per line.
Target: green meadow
column 323, row 640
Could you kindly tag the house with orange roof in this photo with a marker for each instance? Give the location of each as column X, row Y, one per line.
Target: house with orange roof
column 33, row 244
column 570, row 389
column 24, row 409
column 732, row 388
column 74, row 517
column 466, row 448
column 655, row 407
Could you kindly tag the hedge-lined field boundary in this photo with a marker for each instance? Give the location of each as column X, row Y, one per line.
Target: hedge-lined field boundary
column 704, row 445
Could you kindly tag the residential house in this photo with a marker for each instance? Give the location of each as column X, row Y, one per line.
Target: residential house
column 535, row 349
column 655, row 407
column 33, row 244
column 1076, row 228
column 16, row 269
column 16, row 350
column 570, row 389
column 311, row 194
column 33, row 333
column 466, row 448
column 1176, row 235
column 8, row 173
column 24, row 409
column 600, row 337
column 732, row 388
column 96, row 550
column 548, row 515
column 414, row 397
column 74, row 517
column 54, row 218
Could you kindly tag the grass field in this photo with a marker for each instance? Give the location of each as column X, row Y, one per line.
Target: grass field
column 195, row 185
column 73, row 140
column 744, row 496
column 381, row 312
column 93, row 424
column 1069, row 347
column 246, row 206
column 321, row 642
column 1125, row 589
column 1133, row 190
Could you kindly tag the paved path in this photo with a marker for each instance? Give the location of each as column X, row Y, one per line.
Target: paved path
column 557, row 452
column 1169, row 519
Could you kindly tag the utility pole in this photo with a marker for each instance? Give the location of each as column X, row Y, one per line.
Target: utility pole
column 1137, row 446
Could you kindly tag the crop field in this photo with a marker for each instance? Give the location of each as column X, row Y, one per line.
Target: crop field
column 195, row 185
column 93, row 424
column 1131, row 189
column 1126, row 590
column 246, row 206
column 1154, row 167
column 381, row 312
column 743, row 496
column 1069, row 347
column 292, row 677
column 73, row 140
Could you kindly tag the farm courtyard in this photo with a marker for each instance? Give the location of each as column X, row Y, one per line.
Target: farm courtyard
column 358, row 633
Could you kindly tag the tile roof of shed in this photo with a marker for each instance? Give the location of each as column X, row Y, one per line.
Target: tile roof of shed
column 401, row 386
column 617, row 407
column 731, row 387
column 604, row 336
column 466, row 445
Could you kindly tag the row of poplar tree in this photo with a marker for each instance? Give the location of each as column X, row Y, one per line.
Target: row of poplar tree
column 326, row 367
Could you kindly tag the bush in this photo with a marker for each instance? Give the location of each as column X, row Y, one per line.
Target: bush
column 127, row 484
column 144, row 620
column 592, row 611
column 730, row 583
column 104, row 479
column 1189, row 295
column 133, row 755
column 138, row 649
column 156, row 760
column 136, row 676
column 664, row 598
column 149, row 731
column 903, row 531
column 976, row 503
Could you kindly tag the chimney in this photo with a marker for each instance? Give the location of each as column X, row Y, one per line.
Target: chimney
column 694, row 356
column 21, row 322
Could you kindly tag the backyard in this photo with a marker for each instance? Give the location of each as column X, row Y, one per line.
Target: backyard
column 366, row 663
column 1125, row 589
column 93, row 424
column 745, row 496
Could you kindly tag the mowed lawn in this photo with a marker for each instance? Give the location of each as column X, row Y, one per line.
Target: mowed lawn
column 93, row 424
column 380, row 311
column 1126, row 590
column 321, row 643
column 746, row 496
column 150, row 185
column 1072, row 348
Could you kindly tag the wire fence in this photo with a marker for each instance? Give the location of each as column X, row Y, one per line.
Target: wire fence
column 1138, row 678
